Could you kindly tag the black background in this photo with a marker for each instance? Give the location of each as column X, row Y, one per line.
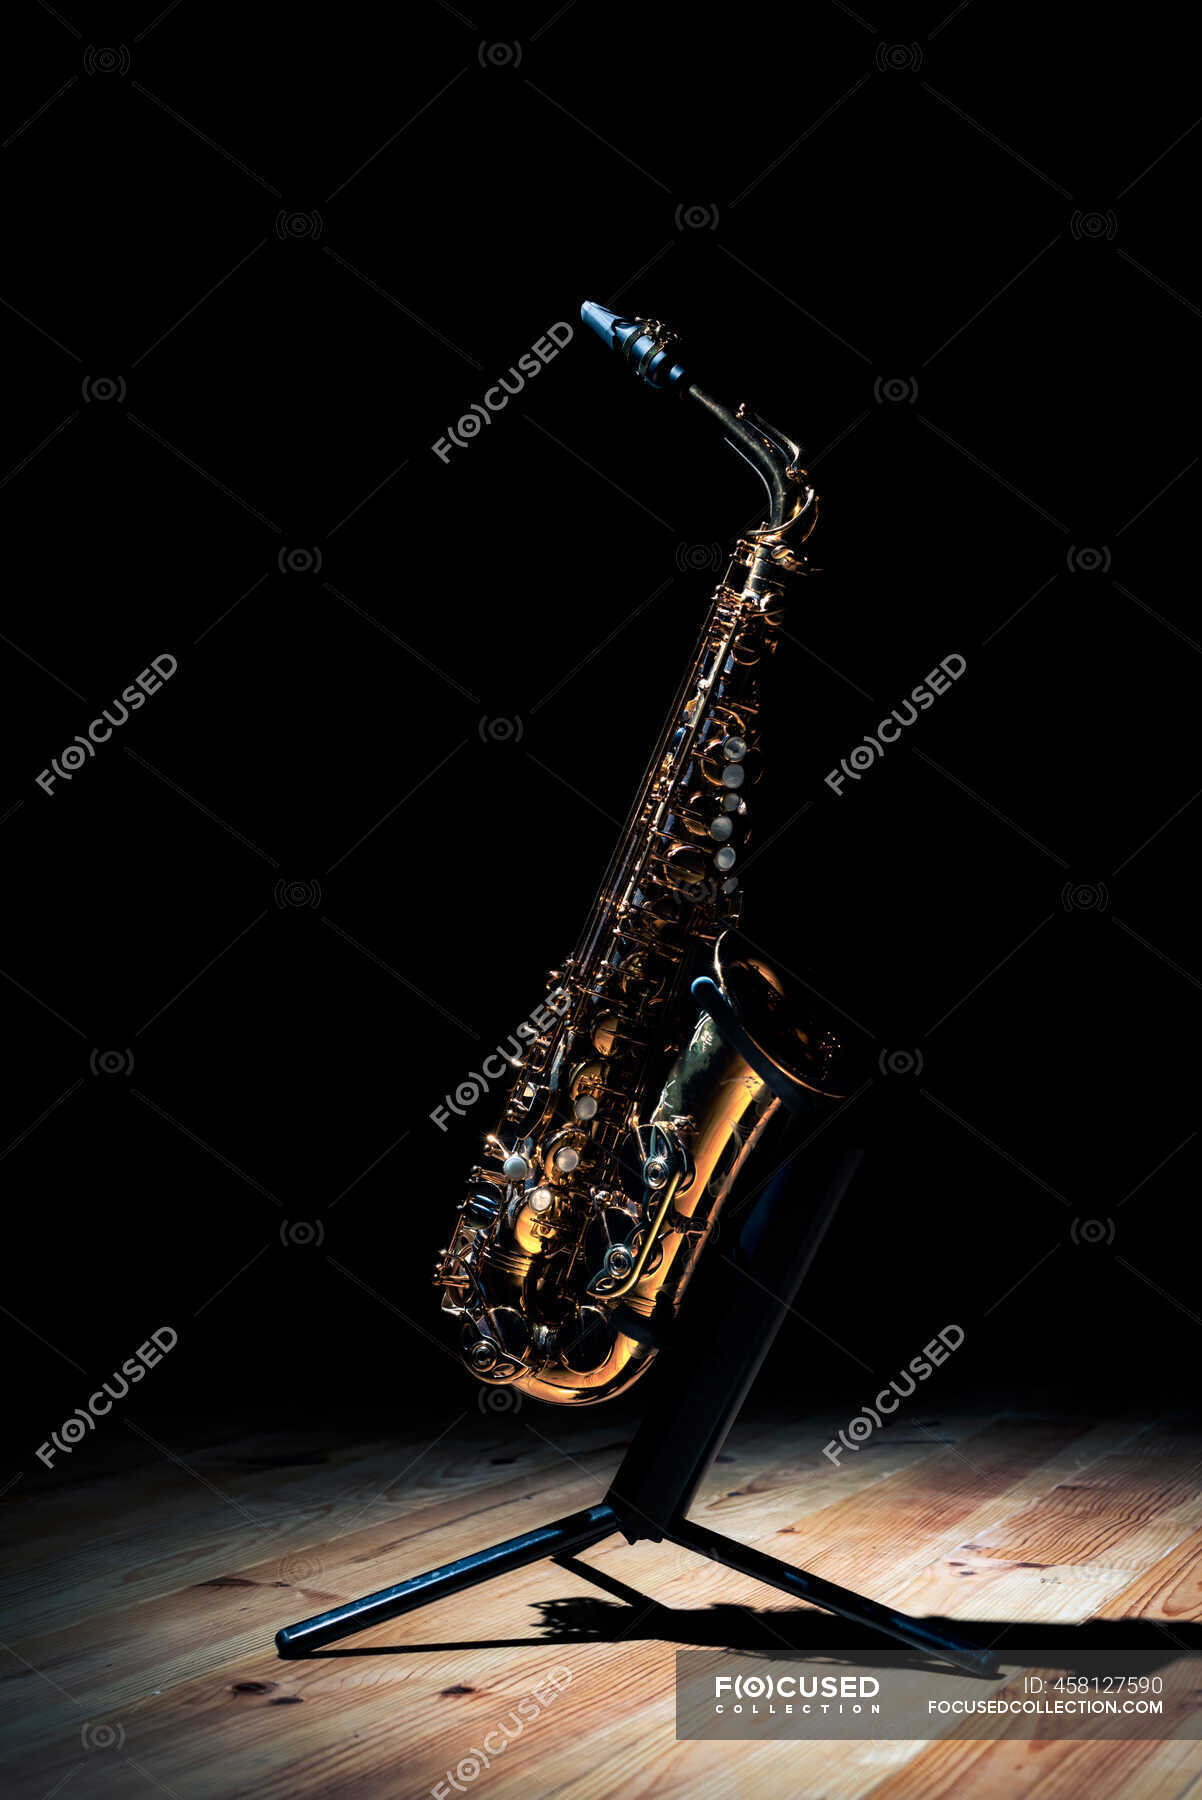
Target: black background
column 257, row 266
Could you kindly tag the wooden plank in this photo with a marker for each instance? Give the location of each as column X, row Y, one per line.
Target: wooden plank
column 1013, row 1770
column 1123, row 1511
column 165, row 1641
column 896, row 1526
column 188, row 1533
column 1170, row 1589
column 207, row 1710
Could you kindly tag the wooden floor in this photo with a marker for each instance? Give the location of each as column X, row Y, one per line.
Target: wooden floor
column 139, row 1609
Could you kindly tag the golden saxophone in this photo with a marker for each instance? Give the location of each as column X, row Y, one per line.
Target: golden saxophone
column 630, row 1117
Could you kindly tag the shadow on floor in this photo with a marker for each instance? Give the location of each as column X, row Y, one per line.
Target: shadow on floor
column 789, row 1631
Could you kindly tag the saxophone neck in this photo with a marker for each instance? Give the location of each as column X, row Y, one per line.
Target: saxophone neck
column 649, row 349
column 792, row 502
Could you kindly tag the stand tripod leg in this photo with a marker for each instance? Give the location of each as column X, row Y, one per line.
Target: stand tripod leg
column 575, row 1532
column 917, row 1633
column 702, row 1379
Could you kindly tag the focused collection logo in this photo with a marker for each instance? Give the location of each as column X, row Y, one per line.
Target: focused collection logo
column 76, row 1427
column 501, row 1061
column 857, row 1431
column 506, row 1731
column 496, row 398
column 82, row 747
column 856, row 764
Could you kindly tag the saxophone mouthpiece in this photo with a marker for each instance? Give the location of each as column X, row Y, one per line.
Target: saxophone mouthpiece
column 646, row 345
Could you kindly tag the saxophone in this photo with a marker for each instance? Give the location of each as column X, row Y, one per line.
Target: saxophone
column 631, row 1115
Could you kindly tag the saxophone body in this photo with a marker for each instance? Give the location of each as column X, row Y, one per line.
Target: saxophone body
column 632, row 1114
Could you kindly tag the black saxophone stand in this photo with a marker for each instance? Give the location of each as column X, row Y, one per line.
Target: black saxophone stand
column 698, row 1383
